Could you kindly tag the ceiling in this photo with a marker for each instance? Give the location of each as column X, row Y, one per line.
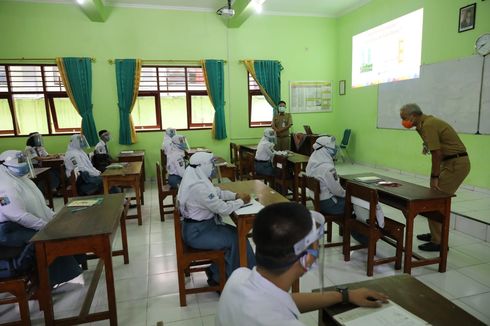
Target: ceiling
column 323, row 8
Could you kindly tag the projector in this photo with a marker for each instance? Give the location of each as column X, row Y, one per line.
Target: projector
column 227, row 12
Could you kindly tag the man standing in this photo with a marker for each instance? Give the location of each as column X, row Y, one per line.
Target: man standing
column 281, row 124
column 450, row 162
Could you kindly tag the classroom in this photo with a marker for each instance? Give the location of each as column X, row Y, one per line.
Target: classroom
column 310, row 43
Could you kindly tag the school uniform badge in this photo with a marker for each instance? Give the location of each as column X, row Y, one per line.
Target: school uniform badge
column 4, row 201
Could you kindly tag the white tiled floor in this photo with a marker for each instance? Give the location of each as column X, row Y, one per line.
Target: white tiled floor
column 147, row 291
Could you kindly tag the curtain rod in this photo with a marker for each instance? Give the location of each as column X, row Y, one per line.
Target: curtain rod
column 35, row 59
column 112, row 61
column 243, row 60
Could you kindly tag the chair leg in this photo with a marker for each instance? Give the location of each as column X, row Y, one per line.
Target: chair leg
column 21, row 294
column 329, row 232
column 222, row 273
column 181, row 278
column 346, row 242
column 399, row 251
column 370, row 257
column 162, row 212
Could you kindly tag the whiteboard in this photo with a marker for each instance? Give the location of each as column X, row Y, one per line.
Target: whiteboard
column 448, row 90
column 485, row 99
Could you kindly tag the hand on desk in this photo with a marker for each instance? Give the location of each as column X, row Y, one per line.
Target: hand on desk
column 244, row 197
column 367, row 298
column 434, row 183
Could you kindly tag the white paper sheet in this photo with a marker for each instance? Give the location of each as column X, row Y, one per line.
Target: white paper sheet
column 247, row 209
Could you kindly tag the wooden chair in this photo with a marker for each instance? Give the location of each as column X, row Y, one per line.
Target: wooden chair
column 19, row 287
column 314, row 186
column 164, row 191
column 72, row 190
column 283, row 180
column 190, row 260
column 248, row 170
column 235, row 155
column 392, row 233
column 163, row 159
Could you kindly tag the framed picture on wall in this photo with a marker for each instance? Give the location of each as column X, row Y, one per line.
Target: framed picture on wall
column 467, row 18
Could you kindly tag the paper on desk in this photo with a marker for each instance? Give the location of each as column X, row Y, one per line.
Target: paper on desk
column 368, row 179
column 250, row 209
column 84, row 202
column 127, row 152
column 386, row 315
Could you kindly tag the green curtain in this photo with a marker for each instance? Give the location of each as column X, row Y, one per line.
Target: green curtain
column 268, row 76
column 214, row 76
column 128, row 73
column 76, row 74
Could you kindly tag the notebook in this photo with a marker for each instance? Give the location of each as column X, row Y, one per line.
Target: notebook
column 368, row 179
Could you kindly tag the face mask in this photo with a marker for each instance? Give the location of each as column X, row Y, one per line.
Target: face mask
column 407, row 124
column 106, row 138
column 20, row 170
column 282, row 109
column 331, row 151
column 182, row 146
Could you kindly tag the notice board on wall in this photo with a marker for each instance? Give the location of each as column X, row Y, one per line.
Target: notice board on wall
column 310, row 96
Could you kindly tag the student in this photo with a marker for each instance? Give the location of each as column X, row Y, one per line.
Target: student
column 102, row 158
column 286, row 238
column 175, row 160
column 201, row 205
column 281, row 124
column 89, row 181
column 37, row 152
column 265, row 153
column 167, row 139
column 23, row 212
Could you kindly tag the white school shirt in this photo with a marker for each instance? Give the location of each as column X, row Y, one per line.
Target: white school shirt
column 249, row 299
column 101, row 148
column 175, row 161
column 265, row 150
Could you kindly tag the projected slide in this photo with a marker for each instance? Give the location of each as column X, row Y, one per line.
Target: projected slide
column 388, row 52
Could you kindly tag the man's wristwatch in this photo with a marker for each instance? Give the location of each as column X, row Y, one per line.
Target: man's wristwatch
column 345, row 293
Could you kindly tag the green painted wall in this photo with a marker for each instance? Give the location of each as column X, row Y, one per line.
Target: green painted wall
column 441, row 42
column 309, row 48
column 51, row 30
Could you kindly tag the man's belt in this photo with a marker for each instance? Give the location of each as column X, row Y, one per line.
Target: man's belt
column 189, row 220
column 450, row 157
column 260, row 161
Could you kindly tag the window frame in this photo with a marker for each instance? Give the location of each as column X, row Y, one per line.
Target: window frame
column 251, row 94
column 51, row 117
column 188, row 94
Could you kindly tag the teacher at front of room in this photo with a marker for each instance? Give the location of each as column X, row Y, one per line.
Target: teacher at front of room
column 450, row 161
column 281, row 123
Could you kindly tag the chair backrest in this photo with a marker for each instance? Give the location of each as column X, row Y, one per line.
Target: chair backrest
column 179, row 242
column 345, row 139
column 364, row 192
column 159, row 177
column 247, row 164
column 73, row 182
column 233, row 153
column 313, row 185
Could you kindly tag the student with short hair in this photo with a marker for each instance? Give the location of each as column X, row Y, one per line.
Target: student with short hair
column 102, row 157
column 282, row 233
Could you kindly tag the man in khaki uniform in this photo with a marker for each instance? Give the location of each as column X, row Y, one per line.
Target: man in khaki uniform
column 450, row 162
column 281, row 124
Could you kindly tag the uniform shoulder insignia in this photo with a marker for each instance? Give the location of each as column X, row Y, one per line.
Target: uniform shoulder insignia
column 73, row 161
column 211, row 196
column 4, row 201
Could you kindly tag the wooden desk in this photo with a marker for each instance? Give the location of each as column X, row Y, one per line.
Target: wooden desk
column 59, row 165
column 193, row 150
column 90, row 230
column 128, row 176
column 42, row 174
column 299, row 162
column 136, row 156
column 413, row 199
column 412, row 295
column 306, row 145
column 225, row 169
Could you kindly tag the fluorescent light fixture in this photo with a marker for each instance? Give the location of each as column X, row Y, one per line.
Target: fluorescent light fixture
column 80, row 2
column 258, row 5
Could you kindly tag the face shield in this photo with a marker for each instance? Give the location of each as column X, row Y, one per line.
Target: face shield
column 83, row 142
column 37, row 140
column 270, row 135
column 180, row 142
column 18, row 163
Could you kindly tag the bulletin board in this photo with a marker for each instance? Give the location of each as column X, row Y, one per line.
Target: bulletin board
column 310, row 96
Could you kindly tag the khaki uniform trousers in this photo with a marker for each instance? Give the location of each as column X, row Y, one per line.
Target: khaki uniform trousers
column 453, row 172
column 283, row 143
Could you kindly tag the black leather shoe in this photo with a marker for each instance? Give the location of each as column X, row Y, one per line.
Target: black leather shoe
column 424, row 237
column 430, row 246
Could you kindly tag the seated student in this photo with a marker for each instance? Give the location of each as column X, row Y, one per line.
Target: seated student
column 23, row 212
column 89, row 181
column 265, row 153
column 286, row 238
column 102, row 158
column 37, row 152
column 201, row 205
column 175, row 160
column 167, row 139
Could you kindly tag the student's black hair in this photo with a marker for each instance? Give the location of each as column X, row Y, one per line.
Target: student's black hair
column 276, row 230
column 30, row 139
column 281, row 102
column 102, row 132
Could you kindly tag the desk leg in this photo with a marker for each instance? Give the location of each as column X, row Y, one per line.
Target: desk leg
column 124, row 237
column 44, row 291
column 297, row 169
column 106, row 185
column 138, row 194
column 242, row 241
column 407, row 266
column 445, row 235
column 109, row 277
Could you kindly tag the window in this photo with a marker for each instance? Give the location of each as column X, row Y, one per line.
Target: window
column 260, row 111
column 33, row 98
column 172, row 97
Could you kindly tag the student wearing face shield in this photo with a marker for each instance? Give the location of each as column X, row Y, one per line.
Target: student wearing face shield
column 102, row 158
column 89, row 181
column 201, row 204
column 23, row 212
column 287, row 246
column 175, row 160
column 265, row 153
column 167, row 139
column 281, row 124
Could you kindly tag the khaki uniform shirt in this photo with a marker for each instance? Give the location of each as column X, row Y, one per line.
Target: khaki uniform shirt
column 281, row 121
column 438, row 134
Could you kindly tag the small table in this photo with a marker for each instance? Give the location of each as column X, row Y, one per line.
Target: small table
column 299, row 162
column 136, row 156
column 412, row 200
column 128, row 176
column 90, row 230
column 42, row 174
column 410, row 294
